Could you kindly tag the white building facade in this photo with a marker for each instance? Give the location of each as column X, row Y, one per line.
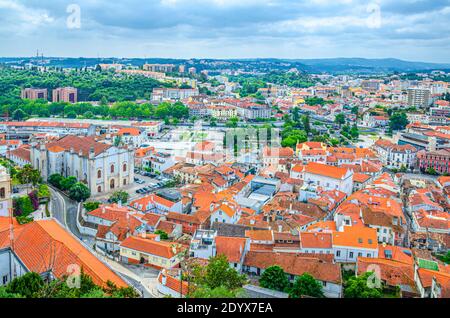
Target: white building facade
column 102, row 167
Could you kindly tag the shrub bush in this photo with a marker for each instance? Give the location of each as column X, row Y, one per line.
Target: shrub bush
column 34, row 199
column 43, row 191
column 23, row 206
column 91, row 206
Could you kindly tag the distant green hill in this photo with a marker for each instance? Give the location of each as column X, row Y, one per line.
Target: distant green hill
column 375, row 65
column 332, row 65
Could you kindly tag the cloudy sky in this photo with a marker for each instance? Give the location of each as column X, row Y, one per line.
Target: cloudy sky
column 408, row 29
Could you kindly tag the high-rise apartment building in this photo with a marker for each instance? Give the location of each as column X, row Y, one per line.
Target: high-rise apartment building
column 165, row 68
column 418, row 97
column 65, row 94
column 34, row 93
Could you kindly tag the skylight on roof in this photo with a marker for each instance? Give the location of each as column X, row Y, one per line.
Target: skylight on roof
column 388, row 254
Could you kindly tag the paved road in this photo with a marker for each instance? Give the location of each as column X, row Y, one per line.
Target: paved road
column 57, row 207
column 143, row 278
column 65, row 211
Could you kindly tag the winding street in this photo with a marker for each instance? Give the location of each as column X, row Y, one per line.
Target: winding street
column 65, row 211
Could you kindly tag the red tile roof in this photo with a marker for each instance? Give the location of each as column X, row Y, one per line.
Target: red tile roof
column 151, row 218
column 231, row 247
column 110, row 212
column 295, row 265
column 325, row 170
column 281, row 152
column 79, row 143
column 443, row 279
column 356, row 236
column 45, row 124
column 166, row 226
column 360, row 177
column 259, row 235
column 151, row 199
column 129, row 132
column 174, row 283
column 316, row 240
column 21, row 152
column 45, row 245
column 162, row 249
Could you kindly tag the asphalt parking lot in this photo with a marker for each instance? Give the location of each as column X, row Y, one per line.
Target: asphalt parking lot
column 148, row 181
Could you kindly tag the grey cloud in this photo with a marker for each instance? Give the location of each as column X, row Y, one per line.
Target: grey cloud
column 245, row 28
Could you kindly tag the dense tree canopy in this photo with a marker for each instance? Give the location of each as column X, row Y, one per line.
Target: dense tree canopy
column 27, row 285
column 31, row 285
column 105, row 87
column 445, row 258
column 79, row 192
column 358, row 287
column 290, row 137
column 91, row 85
column 55, row 180
column 275, row 278
column 306, row 285
column 398, row 121
column 162, row 235
column 66, row 183
column 119, row 196
column 217, row 279
column 251, row 83
column 28, row 175
column 317, row 101
column 91, row 206
column 340, row 119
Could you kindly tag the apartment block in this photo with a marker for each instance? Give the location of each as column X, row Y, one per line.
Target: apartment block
column 65, row 94
column 34, row 93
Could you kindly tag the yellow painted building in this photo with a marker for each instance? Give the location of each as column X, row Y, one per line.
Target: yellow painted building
column 5, row 192
column 223, row 112
column 150, row 251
